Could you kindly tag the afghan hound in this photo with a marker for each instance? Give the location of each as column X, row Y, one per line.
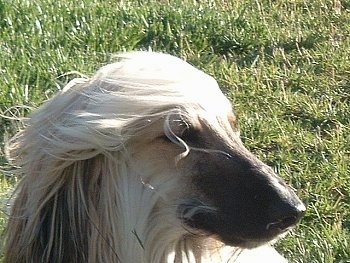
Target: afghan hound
column 143, row 163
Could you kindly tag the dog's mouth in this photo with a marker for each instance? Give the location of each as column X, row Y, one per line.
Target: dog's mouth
column 241, row 230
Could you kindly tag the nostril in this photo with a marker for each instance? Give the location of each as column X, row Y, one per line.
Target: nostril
column 286, row 217
column 283, row 224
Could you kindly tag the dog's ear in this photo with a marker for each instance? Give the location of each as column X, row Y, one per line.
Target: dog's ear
column 68, row 153
column 60, row 216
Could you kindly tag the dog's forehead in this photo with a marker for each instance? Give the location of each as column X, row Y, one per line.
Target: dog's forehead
column 149, row 66
column 206, row 93
column 168, row 78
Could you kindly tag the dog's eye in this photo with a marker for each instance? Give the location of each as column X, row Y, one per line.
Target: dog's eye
column 190, row 135
column 183, row 131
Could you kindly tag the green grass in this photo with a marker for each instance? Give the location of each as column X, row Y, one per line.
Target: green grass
column 284, row 64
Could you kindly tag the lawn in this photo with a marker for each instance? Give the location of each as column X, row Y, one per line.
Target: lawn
column 284, row 64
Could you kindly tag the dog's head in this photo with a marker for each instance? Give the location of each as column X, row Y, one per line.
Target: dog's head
column 190, row 135
column 180, row 136
column 149, row 132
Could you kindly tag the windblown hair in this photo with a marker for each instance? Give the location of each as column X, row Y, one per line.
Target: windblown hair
column 108, row 169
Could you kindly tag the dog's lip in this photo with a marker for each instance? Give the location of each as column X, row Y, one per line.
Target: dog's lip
column 239, row 241
column 250, row 241
column 232, row 238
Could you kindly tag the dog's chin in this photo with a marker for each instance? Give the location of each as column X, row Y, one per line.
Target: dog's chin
column 235, row 241
column 246, row 243
column 250, row 243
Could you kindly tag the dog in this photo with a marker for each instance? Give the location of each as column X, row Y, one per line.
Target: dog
column 143, row 163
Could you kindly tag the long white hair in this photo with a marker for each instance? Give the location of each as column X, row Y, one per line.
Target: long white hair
column 106, row 169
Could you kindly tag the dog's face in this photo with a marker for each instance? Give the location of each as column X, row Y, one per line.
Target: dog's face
column 225, row 190
column 188, row 150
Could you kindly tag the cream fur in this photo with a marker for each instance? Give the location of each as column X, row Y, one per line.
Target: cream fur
column 91, row 162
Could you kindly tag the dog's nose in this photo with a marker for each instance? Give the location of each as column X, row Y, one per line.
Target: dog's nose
column 285, row 215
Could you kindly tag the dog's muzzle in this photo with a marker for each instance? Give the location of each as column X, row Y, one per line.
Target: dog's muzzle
column 242, row 201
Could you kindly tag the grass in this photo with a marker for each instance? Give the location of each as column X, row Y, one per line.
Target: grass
column 284, row 64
